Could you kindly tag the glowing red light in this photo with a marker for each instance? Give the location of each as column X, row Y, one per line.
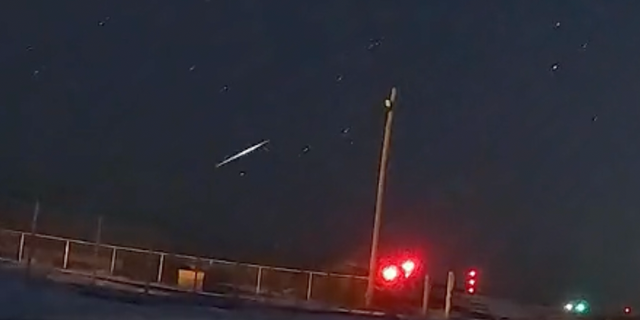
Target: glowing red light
column 390, row 273
column 408, row 266
column 627, row 310
column 471, row 281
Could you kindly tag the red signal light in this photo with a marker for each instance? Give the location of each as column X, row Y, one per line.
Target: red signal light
column 627, row 310
column 396, row 271
column 471, row 281
column 390, row 273
column 408, row 267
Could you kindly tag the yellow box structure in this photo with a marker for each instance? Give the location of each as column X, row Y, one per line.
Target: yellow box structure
column 190, row 279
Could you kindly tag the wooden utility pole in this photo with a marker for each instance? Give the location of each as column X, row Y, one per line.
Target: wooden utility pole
column 382, row 175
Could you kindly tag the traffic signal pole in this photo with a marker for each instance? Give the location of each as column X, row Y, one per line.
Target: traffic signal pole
column 382, row 175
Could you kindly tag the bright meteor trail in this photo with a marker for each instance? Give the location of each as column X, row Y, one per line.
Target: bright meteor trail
column 242, row 153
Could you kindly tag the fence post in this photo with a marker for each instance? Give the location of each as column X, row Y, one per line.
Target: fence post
column 96, row 246
column 21, row 247
column 309, row 285
column 160, row 268
column 147, row 277
column 259, row 280
column 65, row 257
column 196, row 268
column 112, row 267
column 425, row 295
column 32, row 236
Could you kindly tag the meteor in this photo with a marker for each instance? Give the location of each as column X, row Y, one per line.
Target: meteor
column 242, row 153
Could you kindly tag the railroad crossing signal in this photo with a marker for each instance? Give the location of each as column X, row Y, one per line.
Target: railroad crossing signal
column 394, row 271
column 408, row 267
column 390, row 273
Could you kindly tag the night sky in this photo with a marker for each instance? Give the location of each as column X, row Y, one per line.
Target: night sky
column 514, row 148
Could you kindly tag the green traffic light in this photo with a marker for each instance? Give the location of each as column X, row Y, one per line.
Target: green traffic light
column 579, row 307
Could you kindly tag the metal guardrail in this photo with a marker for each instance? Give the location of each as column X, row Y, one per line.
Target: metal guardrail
column 161, row 268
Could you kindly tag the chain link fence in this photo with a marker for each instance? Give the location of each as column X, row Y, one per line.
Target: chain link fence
column 80, row 251
column 188, row 273
column 77, row 243
column 218, row 277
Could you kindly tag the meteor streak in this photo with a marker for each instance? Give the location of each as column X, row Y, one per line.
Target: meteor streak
column 242, row 153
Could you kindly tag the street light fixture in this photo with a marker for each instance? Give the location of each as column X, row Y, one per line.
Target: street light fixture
column 384, row 155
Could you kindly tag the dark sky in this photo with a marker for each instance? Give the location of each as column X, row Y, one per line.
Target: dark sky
column 515, row 142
